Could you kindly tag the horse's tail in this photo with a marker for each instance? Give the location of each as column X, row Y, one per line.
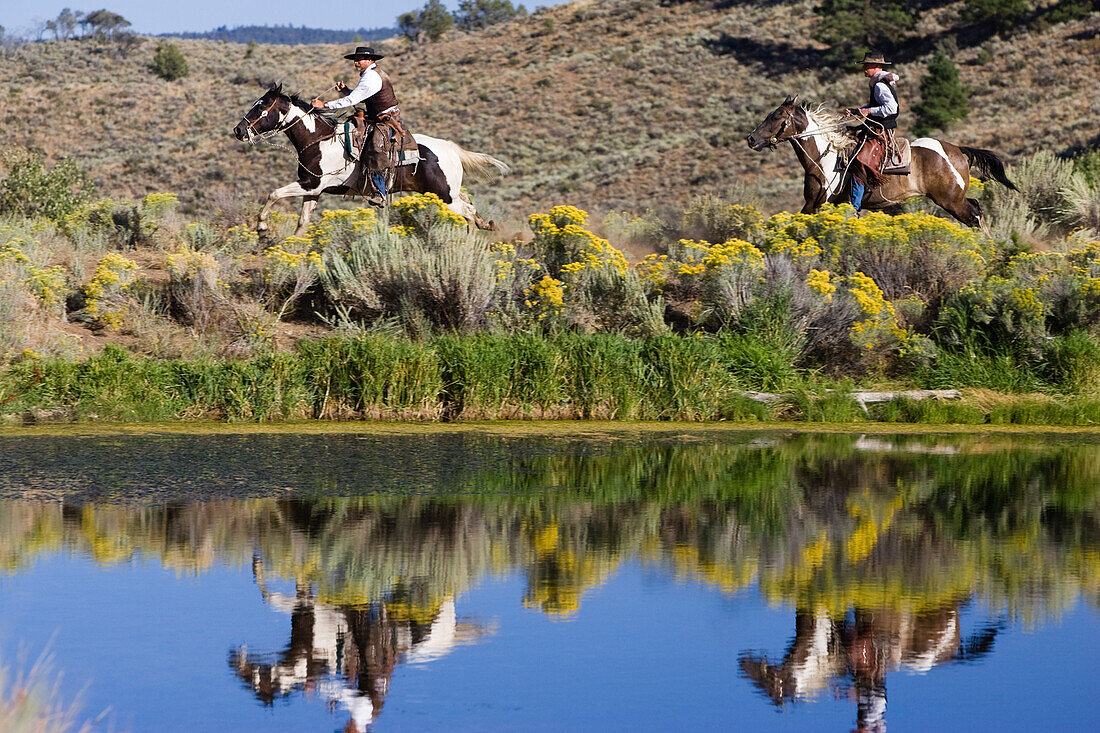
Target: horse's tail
column 481, row 165
column 988, row 165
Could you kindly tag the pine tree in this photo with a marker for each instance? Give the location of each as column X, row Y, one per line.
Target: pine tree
column 846, row 25
column 995, row 15
column 944, row 99
column 169, row 63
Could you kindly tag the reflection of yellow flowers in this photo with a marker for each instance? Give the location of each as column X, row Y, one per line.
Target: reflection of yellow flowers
column 871, row 525
column 726, row 577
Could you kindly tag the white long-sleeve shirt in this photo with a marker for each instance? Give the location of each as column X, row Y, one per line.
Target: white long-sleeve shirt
column 370, row 83
column 883, row 95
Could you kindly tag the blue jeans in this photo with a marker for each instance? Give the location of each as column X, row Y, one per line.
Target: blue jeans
column 379, row 180
column 857, row 193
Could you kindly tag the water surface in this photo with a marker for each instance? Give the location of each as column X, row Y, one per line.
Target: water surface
column 480, row 582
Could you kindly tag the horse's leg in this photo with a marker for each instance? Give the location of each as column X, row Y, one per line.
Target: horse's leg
column 288, row 191
column 309, row 203
column 814, row 195
column 464, row 207
column 967, row 211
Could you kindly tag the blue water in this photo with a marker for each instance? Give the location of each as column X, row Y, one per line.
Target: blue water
column 148, row 646
column 806, row 585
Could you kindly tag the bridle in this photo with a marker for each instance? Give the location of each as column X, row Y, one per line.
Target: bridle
column 254, row 136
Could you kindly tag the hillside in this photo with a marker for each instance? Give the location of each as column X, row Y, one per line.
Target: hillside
column 604, row 104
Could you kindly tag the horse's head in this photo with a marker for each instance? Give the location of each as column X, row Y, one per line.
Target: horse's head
column 266, row 116
column 785, row 121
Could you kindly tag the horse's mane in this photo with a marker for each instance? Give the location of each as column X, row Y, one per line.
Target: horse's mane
column 306, row 106
column 837, row 133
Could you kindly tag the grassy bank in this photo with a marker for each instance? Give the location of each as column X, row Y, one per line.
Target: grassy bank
column 478, row 377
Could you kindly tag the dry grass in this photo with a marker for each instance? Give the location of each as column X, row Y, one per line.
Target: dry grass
column 605, row 104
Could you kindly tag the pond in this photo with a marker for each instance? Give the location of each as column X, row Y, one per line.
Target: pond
column 473, row 581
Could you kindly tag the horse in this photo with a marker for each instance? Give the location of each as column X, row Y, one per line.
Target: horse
column 939, row 170
column 325, row 167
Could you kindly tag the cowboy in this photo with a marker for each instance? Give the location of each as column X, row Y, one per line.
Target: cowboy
column 374, row 96
column 880, row 115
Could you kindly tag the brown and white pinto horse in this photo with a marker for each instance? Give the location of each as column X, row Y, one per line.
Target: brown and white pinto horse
column 324, row 167
column 939, row 170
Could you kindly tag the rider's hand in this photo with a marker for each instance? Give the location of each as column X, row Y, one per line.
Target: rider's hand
column 317, row 103
column 341, row 86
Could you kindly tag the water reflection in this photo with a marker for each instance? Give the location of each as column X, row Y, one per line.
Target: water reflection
column 851, row 656
column 877, row 544
column 346, row 654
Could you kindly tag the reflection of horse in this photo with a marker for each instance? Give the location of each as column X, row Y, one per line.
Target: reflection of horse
column 939, row 170
column 864, row 647
column 361, row 644
column 325, row 167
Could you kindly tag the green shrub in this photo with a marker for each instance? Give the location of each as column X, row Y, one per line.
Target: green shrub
column 848, row 25
column 944, row 99
column 29, row 190
column 713, row 220
column 169, row 63
column 1072, row 362
column 998, row 16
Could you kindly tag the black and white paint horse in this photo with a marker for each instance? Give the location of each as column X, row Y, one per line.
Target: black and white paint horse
column 324, row 167
column 938, row 169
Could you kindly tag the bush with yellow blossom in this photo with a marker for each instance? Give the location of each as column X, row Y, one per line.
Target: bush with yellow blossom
column 105, row 296
column 599, row 290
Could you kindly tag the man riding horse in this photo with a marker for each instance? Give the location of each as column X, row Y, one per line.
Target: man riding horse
column 880, row 118
column 386, row 137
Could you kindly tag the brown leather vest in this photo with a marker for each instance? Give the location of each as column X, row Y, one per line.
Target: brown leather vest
column 381, row 100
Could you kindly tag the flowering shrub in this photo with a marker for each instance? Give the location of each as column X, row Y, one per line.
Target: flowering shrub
column 48, row 284
column 105, row 295
column 545, row 297
column 599, row 290
column 337, row 227
column 565, row 246
column 419, row 212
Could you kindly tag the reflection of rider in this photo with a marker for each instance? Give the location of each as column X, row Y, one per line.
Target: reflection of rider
column 374, row 93
column 881, row 113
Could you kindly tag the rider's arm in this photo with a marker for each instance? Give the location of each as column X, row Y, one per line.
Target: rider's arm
column 370, row 83
column 887, row 104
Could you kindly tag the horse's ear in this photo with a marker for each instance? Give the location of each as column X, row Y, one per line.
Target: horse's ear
column 788, row 100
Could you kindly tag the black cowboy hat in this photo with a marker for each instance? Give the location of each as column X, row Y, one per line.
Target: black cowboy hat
column 364, row 52
column 874, row 58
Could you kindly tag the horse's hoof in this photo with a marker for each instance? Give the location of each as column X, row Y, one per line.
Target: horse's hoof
column 261, row 228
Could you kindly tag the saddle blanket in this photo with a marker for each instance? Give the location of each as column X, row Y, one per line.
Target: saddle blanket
column 899, row 160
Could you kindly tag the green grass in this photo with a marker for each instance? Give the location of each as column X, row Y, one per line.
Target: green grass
column 474, row 377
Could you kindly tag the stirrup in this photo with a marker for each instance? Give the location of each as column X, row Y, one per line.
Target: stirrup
column 377, row 200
